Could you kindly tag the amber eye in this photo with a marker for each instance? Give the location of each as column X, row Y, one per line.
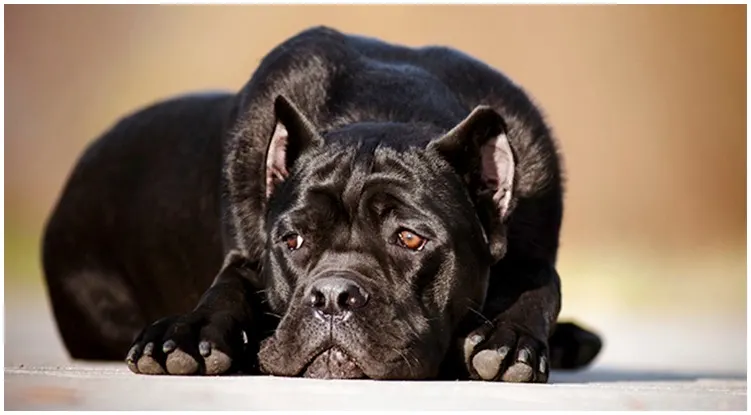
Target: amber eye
column 411, row 240
column 293, row 241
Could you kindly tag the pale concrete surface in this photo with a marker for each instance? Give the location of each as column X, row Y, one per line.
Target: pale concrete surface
column 646, row 364
column 112, row 386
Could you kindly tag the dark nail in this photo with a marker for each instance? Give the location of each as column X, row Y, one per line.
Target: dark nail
column 543, row 364
column 204, row 348
column 503, row 351
column 476, row 339
column 523, row 356
column 132, row 354
column 148, row 349
column 169, row 346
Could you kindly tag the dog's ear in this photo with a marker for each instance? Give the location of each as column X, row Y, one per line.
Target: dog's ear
column 479, row 151
column 479, row 148
column 293, row 134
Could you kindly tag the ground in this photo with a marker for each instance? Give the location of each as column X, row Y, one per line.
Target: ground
column 647, row 363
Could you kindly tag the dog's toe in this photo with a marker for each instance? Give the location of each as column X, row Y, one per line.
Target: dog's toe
column 470, row 343
column 147, row 365
column 181, row 363
column 217, row 362
column 529, row 364
column 133, row 355
column 488, row 363
column 519, row 372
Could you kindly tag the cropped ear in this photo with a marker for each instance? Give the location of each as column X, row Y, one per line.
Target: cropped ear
column 479, row 151
column 479, row 144
column 293, row 134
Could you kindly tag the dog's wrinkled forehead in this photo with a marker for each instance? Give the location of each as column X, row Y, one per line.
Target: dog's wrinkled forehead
column 356, row 151
column 364, row 159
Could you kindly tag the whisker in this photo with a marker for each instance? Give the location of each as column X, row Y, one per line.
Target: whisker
column 481, row 316
column 406, row 360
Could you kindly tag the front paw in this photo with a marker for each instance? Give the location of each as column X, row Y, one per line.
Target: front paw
column 506, row 352
column 192, row 344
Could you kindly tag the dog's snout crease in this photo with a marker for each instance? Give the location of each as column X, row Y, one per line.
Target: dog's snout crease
column 336, row 295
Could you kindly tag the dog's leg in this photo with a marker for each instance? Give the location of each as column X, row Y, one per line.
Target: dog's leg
column 523, row 303
column 219, row 335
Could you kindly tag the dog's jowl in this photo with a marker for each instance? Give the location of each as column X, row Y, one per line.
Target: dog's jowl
column 357, row 210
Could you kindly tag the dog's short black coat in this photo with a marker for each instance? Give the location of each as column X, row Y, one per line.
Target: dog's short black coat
column 363, row 210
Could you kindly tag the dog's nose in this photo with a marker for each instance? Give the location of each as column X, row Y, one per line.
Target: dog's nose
column 335, row 295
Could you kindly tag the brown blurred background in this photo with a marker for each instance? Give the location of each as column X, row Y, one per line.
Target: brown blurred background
column 648, row 104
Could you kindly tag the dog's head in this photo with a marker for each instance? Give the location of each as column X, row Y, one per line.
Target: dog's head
column 379, row 239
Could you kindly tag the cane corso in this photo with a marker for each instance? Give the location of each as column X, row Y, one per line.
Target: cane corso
column 357, row 210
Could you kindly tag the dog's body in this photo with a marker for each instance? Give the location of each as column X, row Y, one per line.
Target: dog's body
column 371, row 210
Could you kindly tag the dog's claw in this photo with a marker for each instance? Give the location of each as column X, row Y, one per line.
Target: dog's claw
column 148, row 349
column 543, row 365
column 470, row 343
column 131, row 358
column 204, row 348
column 523, row 356
column 169, row 346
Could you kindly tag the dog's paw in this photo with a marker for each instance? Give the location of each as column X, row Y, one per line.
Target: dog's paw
column 193, row 344
column 506, row 352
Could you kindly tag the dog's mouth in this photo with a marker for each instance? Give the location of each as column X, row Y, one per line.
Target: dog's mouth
column 333, row 363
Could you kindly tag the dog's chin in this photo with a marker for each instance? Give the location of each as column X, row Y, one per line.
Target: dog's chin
column 333, row 363
column 322, row 353
column 326, row 361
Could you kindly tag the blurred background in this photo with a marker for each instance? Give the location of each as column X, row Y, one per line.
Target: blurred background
column 648, row 104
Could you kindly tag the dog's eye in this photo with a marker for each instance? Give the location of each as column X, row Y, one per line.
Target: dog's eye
column 293, row 241
column 411, row 240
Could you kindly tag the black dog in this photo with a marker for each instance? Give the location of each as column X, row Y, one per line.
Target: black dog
column 363, row 209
